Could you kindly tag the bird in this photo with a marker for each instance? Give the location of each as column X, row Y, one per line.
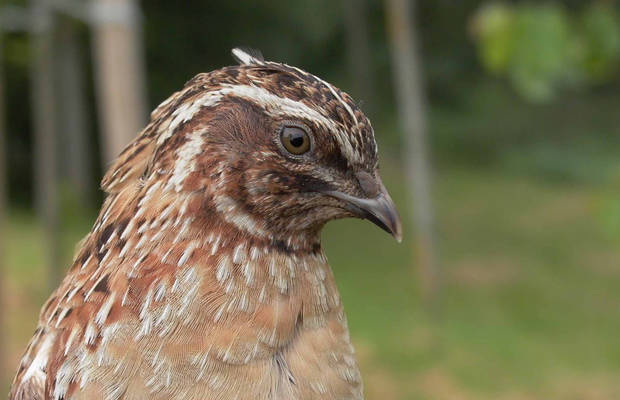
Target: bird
column 203, row 276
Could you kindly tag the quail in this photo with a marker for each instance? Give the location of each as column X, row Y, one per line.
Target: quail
column 203, row 276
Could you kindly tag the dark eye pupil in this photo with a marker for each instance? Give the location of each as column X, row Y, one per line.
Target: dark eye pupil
column 297, row 139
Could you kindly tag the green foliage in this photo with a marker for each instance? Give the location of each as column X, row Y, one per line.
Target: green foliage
column 601, row 34
column 541, row 48
column 495, row 27
column 572, row 140
column 542, row 55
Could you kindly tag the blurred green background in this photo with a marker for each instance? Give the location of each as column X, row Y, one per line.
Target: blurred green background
column 524, row 133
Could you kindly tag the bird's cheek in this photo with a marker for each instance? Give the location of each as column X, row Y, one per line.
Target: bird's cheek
column 275, row 182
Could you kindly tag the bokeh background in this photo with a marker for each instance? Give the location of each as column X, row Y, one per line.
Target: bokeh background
column 506, row 115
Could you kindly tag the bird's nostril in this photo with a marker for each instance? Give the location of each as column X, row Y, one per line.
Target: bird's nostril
column 368, row 183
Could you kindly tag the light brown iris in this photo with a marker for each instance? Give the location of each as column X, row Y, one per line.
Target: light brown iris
column 295, row 139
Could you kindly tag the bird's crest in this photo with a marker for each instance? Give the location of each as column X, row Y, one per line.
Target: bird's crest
column 247, row 56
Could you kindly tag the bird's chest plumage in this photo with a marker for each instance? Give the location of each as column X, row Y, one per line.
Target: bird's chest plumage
column 245, row 323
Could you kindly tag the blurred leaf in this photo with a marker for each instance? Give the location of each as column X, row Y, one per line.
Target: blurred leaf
column 601, row 36
column 494, row 25
column 542, row 49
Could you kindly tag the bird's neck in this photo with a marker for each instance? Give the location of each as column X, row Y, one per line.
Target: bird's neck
column 225, row 274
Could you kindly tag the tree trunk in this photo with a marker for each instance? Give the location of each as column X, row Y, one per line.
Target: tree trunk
column 412, row 110
column 120, row 74
column 45, row 138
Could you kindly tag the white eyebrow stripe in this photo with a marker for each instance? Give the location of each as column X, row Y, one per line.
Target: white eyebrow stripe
column 331, row 89
column 274, row 106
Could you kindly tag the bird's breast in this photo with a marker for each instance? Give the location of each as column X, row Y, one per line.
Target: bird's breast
column 272, row 319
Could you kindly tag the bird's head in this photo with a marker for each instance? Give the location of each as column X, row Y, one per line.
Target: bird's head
column 274, row 151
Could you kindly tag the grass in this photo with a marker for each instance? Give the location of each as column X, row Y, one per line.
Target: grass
column 529, row 302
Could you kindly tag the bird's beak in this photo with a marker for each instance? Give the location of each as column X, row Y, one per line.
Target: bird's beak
column 379, row 209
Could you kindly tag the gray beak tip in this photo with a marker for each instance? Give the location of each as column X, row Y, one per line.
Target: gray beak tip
column 380, row 210
column 394, row 224
column 398, row 235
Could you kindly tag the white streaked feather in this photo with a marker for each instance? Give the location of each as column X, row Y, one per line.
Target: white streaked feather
column 247, row 56
column 38, row 365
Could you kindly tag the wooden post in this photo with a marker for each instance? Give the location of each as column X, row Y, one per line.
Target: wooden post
column 120, row 73
column 359, row 54
column 72, row 112
column 45, row 138
column 3, row 204
column 412, row 110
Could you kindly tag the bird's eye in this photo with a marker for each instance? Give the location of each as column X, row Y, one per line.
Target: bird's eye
column 295, row 139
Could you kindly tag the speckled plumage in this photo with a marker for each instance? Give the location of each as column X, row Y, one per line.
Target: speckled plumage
column 203, row 276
